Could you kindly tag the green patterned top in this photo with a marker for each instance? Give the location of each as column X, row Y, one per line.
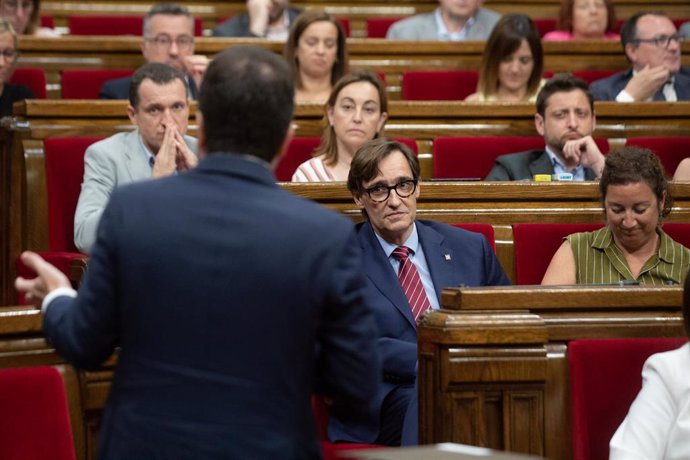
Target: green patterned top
column 599, row 260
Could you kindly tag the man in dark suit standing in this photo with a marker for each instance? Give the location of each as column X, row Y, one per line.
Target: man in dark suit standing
column 231, row 300
column 652, row 45
column 407, row 262
column 168, row 39
column 565, row 117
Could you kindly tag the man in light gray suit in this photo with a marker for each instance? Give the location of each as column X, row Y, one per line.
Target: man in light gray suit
column 453, row 20
column 159, row 109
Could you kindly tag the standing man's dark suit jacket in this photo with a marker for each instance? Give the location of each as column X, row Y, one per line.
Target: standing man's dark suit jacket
column 524, row 165
column 220, row 288
column 455, row 257
column 118, row 88
column 608, row 88
column 238, row 26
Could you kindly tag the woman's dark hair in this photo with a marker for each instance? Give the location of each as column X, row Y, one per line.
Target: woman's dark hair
column 636, row 164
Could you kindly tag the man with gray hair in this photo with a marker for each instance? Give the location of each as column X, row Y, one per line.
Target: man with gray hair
column 168, row 39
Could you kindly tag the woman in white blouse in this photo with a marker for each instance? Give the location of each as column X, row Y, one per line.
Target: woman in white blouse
column 658, row 423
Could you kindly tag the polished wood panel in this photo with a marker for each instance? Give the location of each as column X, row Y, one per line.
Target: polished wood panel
column 501, row 352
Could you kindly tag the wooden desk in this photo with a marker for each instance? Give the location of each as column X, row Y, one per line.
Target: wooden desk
column 390, row 57
column 492, row 363
column 488, row 377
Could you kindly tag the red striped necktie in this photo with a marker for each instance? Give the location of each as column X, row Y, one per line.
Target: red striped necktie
column 411, row 282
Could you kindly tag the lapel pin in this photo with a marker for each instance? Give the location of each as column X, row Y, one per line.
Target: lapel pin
column 447, row 256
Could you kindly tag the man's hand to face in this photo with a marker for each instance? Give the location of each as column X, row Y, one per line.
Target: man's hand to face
column 646, row 82
column 259, row 16
column 584, row 152
column 195, row 66
column 174, row 154
column 184, row 158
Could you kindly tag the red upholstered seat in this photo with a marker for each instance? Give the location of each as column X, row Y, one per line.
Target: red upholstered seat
column 605, row 377
column 485, row 229
column 35, row 421
column 591, row 75
column 114, row 25
column 535, row 245
column 86, row 84
column 444, row 85
column 47, row 21
column 680, row 232
column 670, row 150
column 473, row 157
column 545, row 25
column 301, row 149
column 378, row 27
column 331, row 451
column 64, row 160
column 34, row 78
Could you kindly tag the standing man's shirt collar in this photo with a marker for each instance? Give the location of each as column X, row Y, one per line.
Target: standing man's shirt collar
column 443, row 33
column 578, row 171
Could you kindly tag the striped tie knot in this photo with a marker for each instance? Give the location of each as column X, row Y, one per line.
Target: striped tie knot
column 401, row 253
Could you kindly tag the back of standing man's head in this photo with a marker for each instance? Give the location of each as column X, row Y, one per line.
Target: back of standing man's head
column 246, row 100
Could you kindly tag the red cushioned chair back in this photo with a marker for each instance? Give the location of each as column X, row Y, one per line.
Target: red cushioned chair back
column 34, row 78
column 485, row 229
column 670, row 150
column 378, row 27
column 64, row 159
column 35, row 420
column 593, row 74
column 301, row 149
column 445, row 85
column 47, row 22
column 535, row 245
column 86, row 84
column 680, row 232
column 545, row 25
column 473, row 157
column 605, row 377
column 114, row 25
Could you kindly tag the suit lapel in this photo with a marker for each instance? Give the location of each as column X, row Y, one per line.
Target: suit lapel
column 439, row 258
column 682, row 86
column 135, row 158
column 378, row 269
column 542, row 165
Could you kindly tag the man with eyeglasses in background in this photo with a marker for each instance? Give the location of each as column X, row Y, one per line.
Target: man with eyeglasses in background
column 653, row 46
column 168, row 39
column 407, row 262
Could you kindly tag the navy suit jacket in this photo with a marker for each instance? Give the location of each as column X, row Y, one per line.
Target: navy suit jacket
column 118, row 88
column 455, row 257
column 606, row 89
column 524, row 165
column 231, row 300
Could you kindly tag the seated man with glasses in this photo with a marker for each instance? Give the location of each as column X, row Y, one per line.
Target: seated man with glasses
column 407, row 262
column 168, row 39
column 9, row 93
column 652, row 45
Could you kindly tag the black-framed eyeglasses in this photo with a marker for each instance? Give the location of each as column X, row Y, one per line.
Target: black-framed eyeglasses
column 662, row 41
column 379, row 193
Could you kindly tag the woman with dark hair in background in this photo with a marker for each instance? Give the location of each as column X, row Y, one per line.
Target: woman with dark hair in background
column 585, row 20
column 317, row 53
column 512, row 63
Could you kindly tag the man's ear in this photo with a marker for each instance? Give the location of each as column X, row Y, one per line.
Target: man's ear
column 131, row 113
column 284, row 146
column 539, row 123
column 358, row 201
column 200, row 136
